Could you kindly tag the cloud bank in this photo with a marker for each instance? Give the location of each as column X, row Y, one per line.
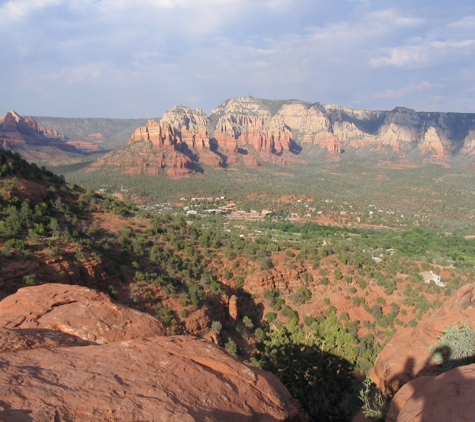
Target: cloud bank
column 138, row 58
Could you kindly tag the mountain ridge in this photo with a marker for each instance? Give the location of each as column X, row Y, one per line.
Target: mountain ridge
column 249, row 131
column 252, row 131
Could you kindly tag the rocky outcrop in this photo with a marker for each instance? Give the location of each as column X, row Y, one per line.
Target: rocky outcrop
column 156, row 379
column 48, row 132
column 80, row 312
column 434, row 144
column 177, row 141
column 330, row 142
column 408, row 354
column 199, row 321
column 84, row 146
column 161, row 135
column 233, row 308
column 13, row 122
column 151, row 149
column 123, row 369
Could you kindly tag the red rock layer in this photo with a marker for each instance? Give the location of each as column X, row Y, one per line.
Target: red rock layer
column 330, row 142
column 123, row 371
column 78, row 311
column 171, row 145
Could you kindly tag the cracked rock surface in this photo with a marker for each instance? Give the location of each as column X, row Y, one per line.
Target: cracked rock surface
column 124, row 370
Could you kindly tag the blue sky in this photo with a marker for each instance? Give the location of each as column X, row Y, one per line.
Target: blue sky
column 138, row 58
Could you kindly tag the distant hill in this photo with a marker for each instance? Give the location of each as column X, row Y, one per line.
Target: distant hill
column 108, row 133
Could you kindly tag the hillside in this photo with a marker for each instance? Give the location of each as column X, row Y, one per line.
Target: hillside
column 256, row 287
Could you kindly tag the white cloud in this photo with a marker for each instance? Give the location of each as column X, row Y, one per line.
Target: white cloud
column 76, row 74
column 149, row 54
column 14, row 10
column 467, row 22
column 423, row 54
column 393, row 18
column 407, row 89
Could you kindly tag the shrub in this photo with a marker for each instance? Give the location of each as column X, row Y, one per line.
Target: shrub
column 29, row 280
column 216, row 327
column 231, row 347
column 456, row 347
column 248, row 322
column 260, row 334
column 361, row 283
column 302, row 296
column 289, row 313
column 270, row 316
column 374, row 405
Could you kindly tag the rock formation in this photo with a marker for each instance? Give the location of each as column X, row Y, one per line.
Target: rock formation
column 251, row 131
column 174, row 144
column 36, row 143
column 233, row 308
column 123, row 370
column 408, row 356
column 447, row 397
column 83, row 313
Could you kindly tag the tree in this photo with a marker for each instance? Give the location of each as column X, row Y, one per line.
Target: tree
column 318, row 379
column 216, row 327
column 231, row 347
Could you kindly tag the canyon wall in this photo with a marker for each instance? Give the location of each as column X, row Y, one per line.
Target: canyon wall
column 251, row 131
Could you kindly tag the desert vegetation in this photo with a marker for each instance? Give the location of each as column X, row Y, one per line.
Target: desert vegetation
column 314, row 301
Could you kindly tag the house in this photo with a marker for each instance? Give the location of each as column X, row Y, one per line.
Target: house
column 429, row 276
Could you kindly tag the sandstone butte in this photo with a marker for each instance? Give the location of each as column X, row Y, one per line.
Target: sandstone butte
column 251, row 131
column 404, row 368
column 69, row 353
column 17, row 131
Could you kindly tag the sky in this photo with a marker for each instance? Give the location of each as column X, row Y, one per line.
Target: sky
column 139, row 58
